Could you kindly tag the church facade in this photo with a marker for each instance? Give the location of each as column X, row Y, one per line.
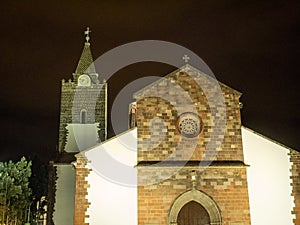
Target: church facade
column 192, row 135
column 186, row 158
column 187, row 166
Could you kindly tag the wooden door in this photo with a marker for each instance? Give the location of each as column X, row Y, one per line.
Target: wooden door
column 193, row 213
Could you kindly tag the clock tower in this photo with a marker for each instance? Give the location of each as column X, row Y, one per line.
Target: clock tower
column 83, row 122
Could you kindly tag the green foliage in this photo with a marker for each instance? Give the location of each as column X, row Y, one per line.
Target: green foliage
column 39, row 179
column 38, row 183
column 15, row 193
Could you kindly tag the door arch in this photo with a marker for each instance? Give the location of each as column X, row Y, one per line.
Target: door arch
column 198, row 197
column 192, row 213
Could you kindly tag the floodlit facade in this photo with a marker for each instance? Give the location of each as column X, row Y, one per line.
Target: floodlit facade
column 186, row 158
column 159, row 173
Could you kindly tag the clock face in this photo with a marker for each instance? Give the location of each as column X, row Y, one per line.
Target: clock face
column 84, row 80
column 189, row 125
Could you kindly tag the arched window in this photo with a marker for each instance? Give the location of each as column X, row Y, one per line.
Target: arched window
column 83, row 116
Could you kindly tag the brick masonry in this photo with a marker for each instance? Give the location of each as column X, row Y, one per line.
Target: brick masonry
column 228, row 144
column 226, row 186
column 159, row 140
column 295, row 170
column 81, row 202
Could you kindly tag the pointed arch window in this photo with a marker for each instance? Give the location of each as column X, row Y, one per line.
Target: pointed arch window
column 83, row 116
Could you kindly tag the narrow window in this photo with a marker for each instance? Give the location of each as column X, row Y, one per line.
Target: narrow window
column 83, row 116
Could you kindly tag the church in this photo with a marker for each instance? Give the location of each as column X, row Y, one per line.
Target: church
column 185, row 159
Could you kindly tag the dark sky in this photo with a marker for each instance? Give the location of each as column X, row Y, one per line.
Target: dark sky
column 252, row 46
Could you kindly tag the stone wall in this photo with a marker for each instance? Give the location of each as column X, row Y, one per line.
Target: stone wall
column 81, row 202
column 295, row 159
column 225, row 185
column 164, row 151
column 74, row 99
column 179, row 93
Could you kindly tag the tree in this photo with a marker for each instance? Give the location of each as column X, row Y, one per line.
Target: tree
column 15, row 193
column 38, row 183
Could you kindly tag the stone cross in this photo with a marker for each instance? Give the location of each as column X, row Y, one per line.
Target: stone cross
column 87, row 34
column 186, row 58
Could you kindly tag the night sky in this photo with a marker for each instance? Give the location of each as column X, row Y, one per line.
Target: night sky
column 251, row 46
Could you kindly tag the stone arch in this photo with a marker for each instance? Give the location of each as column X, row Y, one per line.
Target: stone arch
column 194, row 195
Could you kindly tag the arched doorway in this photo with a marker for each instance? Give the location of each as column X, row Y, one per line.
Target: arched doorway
column 193, row 213
column 194, row 202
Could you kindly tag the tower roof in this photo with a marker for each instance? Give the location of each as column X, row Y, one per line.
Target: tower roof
column 86, row 62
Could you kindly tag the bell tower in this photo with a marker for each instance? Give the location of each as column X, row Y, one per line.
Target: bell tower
column 83, row 113
column 83, row 123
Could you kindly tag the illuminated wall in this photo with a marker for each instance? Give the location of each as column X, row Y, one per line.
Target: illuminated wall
column 112, row 189
column 114, row 202
column 268, row 180
column 64, row 196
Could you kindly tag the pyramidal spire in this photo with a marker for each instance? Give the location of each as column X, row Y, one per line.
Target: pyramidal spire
column 86, row 62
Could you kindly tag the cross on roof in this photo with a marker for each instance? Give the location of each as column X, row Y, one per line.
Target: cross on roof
column 186, row 58
column 87, row 34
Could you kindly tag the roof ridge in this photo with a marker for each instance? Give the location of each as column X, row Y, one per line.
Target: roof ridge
column 107, row 140
column 269, row 139
column 187, row 66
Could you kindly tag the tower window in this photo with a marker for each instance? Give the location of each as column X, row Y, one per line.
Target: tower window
column 83, row 116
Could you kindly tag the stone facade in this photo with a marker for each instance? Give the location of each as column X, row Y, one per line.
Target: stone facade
column 81, row 202
column 166, row 158
column 226, row 138
column 225, row 185
column 205, row 167
column 74, row 99
column 295, row 159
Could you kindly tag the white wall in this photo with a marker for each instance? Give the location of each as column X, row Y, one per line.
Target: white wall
column 268, row 180
column 113, row 192
column 113, row 201
column 64, row 198
column 81, row 137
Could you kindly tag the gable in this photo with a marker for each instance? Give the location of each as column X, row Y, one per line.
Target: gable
column 184, row 115
column 175, row 75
